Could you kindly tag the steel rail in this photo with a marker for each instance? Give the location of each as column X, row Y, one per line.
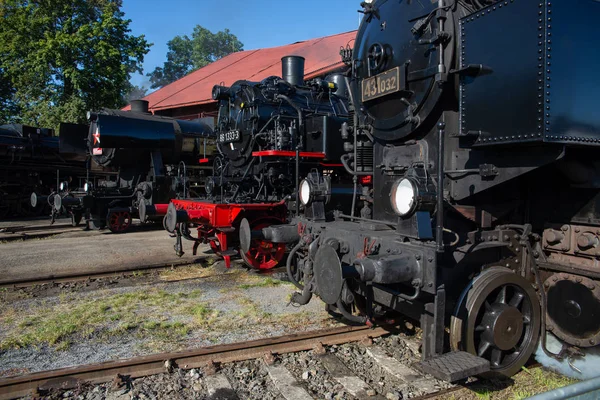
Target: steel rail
column 84, row 276
column 27, row 384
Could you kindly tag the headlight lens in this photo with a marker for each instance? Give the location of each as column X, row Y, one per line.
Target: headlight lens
column 404, row 197
column 86, row 187
column 304, row 192
column 62, row 186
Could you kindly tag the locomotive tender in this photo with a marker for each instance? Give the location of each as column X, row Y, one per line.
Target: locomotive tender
column 154, row 158
column 32, row 160
column 269, row 133
column 485, row 174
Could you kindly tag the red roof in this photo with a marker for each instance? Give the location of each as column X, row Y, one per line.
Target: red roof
column 322, row 56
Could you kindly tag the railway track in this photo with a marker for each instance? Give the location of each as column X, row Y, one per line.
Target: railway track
column 24, row 232
column 86, row 276
column 127, row 271
column 208, row 358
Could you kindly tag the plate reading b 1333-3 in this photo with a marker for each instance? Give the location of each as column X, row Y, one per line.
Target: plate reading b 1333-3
column 380, row 85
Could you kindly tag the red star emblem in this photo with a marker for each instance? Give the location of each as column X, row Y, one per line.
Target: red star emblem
column 96, row 137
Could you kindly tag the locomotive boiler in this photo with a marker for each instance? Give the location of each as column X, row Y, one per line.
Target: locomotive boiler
column 268, row 134
column 265, row 127
column 155, row 159
column 485, row 174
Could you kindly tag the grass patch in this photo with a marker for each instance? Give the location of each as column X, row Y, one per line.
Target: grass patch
column 195, row 271
column 266, row 282
column 202, row 314
column 59, row 324
column 525, row 384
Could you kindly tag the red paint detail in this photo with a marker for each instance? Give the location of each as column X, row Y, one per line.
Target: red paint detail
column 262, row 253
column 203, row 160
column 96, row 151
column 331, row 165
column 215, row 221
column 321, row 54
column 285, row 153
column 96, row 136
column 119, row 221
column 366, row 180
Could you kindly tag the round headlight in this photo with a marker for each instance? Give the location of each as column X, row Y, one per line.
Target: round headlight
column 404, row 197
column 62, row 186
column 304, row 192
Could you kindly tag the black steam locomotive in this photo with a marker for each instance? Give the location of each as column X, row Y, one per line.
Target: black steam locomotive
column 268, row 134
column 485, row 182
column 31, row 160
column 265, row 128
column 154, row 159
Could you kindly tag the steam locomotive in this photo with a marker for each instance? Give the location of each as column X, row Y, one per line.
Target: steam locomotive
column 31, row 161
column 269, row 133
column 485, row 183
column 154, row 159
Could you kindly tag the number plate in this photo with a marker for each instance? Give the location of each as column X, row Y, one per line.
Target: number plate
column 381, row 85
column 229, row 137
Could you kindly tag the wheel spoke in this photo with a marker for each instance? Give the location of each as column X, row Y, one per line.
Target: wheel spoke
column 483, row 347
column 488, row 306
column 502, row 295
column 479, row 328
column 517, row 299
column 526, row 320
column 496, row 358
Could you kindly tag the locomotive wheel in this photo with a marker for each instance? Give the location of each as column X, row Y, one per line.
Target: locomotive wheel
column 118, row 221
column 498, row 318
column 263, row 254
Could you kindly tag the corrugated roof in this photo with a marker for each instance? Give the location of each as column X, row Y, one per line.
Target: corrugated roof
column 322, row 56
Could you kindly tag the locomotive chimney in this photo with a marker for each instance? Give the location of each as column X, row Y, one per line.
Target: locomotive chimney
column 139, row 106
column 292, row 68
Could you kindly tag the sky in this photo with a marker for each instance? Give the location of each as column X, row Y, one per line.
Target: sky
column 256, row 23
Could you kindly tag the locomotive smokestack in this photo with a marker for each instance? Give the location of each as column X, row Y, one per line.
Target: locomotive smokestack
column 292, row 70
column 139, row 106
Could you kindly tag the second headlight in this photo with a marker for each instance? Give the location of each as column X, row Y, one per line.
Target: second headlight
column 404, row 197
column 305, row 192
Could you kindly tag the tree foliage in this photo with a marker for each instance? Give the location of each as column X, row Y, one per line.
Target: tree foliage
column 62, row 58
column 135, row 93
column 188, row 54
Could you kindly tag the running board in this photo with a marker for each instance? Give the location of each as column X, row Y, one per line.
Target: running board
column 454, row 366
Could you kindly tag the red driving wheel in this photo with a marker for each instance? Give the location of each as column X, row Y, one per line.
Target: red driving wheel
column 119, row 221
column 263, row 254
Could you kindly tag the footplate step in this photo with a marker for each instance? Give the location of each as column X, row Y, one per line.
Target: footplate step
column 454, row 366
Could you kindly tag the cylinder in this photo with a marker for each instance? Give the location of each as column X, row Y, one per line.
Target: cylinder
column 340, row 83
column 292, row 70
column 139, row 106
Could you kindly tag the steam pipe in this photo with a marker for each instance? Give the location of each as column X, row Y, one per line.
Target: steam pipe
column 352, row 318
column 288, row 265
column 344, row 160
column 439, row 237
column 299, row 145
column 304, row 297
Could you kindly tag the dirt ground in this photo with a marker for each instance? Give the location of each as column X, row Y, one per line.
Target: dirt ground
column 89, row 251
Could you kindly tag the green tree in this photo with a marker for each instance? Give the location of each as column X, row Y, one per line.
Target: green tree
column 188, row 54
column 61, row 58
